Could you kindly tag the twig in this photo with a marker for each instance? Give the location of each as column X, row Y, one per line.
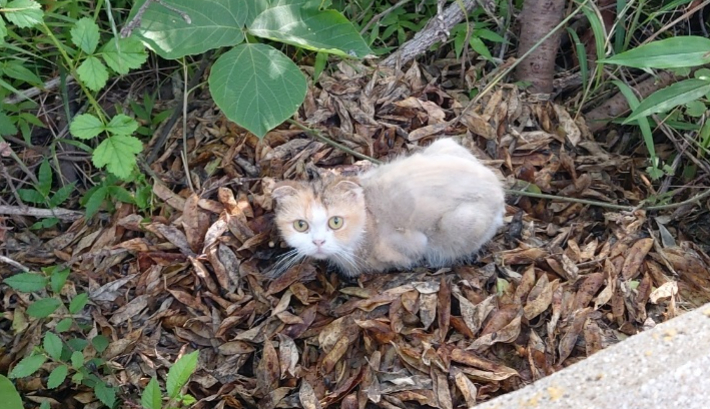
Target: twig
column 59, row 213
column 30, row 93
column 682, row 17
column 14, row 264
column 317, row 134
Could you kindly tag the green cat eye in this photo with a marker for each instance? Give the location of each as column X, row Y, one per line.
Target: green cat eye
column 335, row 222
column 300, row 225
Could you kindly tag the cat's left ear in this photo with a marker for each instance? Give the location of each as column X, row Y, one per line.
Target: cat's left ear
column 349, row 187
column 284, row 189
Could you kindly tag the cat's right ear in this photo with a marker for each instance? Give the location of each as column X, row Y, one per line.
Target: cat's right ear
column 284, row 189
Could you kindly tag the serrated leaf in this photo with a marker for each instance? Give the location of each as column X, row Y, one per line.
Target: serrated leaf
column 26, row 282
column 120, row 194
column 58, row 278
column 673, row 52
column 52, row 345
column 77, row 359
column 77, row 344
column 257, row 87
column 63, row 325
column 93, row 73
column 27, row 366
column 85, row 35
column 122, row 125
column 61, row 195
column 151, row 397
column 106, row 394
column 670, row 97
column 6, row 125
column 180, row 373
column 23, row 13
column 124, row 55
column 78, row 303
column 43, row 308
column 100, row 342
column 86, row 126
column 310, row 28
column 10, row 397
column 118, row 154
column 94, row 202
column 213, row 24
column 45, row 178
column 57, row 376
column 31, row 196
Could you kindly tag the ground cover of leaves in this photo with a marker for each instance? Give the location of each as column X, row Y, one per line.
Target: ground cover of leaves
column 561, row 281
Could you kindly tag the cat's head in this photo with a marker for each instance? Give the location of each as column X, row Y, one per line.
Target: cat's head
column 323, row 218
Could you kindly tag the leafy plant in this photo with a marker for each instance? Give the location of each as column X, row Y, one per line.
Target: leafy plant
column 73, row 356
column 672, row 53
column 108, row 191
column 41, row 194
column 178, row 375
column 8, row 394
column 254, row 84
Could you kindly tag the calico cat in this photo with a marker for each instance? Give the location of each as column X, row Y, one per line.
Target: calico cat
column 435, row 207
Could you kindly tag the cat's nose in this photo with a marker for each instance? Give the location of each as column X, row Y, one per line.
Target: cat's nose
column 318, row 242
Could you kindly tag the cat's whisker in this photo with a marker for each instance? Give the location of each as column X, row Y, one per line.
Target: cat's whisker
column 285, row 261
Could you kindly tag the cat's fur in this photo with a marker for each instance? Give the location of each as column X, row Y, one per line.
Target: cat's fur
column 437, row 207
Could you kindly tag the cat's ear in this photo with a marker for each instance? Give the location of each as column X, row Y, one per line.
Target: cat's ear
column 348, row 187
column 284, row 189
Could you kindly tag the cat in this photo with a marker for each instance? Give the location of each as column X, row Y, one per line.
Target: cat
column 435, row 207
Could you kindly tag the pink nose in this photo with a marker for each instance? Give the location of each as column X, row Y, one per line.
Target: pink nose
column 318, row 242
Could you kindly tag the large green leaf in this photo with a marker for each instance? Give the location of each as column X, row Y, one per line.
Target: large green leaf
column 43, row 308
column 670, row 97
column 10, row 397
column 257, row 86
column 180, row 373
column 124, row 54
column 674, row 52
column 24, row 13
column 151, row 397
column 52, row 345
column 26, row 282
column 27, row 366
column 118, row 154
column 213, row 24
column 318, row 30
column 85, row 35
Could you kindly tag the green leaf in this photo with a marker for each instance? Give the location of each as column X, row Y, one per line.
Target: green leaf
column 3, row 31
column 6, row 125
column 77, row 359
column 213, row 24
column 27, row 366
column 124, row 55
column 10, row 397
column 23, row 13
column 94, row 201
column 151, row 398
column 100, row 342
column 61, row 195
column 57, row 376
column 670, row 97
column 52, row 345
column 26, row 282
column 93, row 73
column 187, row 400
column 78, row 303
column 45, row 405
column 310, row 28
column 105, row 393
column 180, row 373
column 77, row 344
column 120, row 194
column 478, row 46
column 122, row 125
column 643, row 123
column 58, row 278
column 45, row 178
column 118, row 154
column 695, row 109
column 257, row 86
column 85, row 35
column 31, row 196
column 77, row 378
column 15, row 69
column 86, row 126
column 673, row 52
column 63, row 325
column 43, row 308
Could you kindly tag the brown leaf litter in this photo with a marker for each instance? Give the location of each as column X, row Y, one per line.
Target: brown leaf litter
column 563, row 280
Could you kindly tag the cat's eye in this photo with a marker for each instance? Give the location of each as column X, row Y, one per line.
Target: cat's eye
column 300, row 225
column 335, row 222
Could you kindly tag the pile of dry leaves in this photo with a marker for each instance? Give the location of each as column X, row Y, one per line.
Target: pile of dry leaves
column 560, row 282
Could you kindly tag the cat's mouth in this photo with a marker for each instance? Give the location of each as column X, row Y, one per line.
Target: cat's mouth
column 319, row 254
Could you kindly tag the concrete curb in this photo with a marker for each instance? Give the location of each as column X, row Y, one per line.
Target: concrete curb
column 665, row 367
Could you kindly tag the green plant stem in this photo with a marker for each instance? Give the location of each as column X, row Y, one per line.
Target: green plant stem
column 69, row 62
column 319, row 135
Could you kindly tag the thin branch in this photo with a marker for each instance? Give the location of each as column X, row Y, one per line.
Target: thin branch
column 14, row 264
column 59, row 213
column 319, row 135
